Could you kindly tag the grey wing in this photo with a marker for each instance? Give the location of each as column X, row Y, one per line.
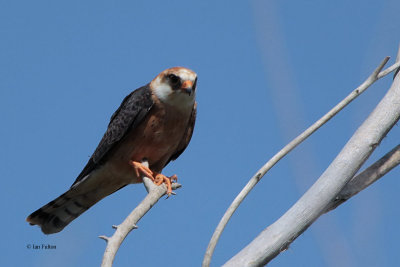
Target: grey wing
column 187, row 136
column 131, row 112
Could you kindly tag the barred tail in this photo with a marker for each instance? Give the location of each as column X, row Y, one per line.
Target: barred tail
column 57, row 214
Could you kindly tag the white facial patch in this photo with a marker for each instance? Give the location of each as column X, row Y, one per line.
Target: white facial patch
column 161, row 89
column 177, row 98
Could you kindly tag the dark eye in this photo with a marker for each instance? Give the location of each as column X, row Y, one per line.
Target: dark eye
column 174, row 79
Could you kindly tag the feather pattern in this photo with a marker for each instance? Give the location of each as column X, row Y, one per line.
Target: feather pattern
column 144, row 126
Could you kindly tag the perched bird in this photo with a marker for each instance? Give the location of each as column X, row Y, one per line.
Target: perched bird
column 153, row 123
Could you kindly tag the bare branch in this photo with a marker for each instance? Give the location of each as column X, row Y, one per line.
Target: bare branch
column 278, row 236
column 114, row 242
column 370, row 175
column 377, row 74
column 385, row 72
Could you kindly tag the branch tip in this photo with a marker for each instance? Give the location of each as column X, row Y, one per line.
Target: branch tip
column 175, row 186
column 105, row 238
column 375, row 74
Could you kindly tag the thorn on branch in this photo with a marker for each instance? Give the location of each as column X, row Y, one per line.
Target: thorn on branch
column 379, row 68
column 105, row 238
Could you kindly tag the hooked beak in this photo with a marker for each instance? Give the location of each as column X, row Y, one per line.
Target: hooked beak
column 187, row 87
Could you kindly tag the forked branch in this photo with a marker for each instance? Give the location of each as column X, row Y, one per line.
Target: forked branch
column 278, row 236
column 367, row 177
column 377, row 74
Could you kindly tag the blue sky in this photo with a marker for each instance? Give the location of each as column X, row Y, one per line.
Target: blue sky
column 267, row 70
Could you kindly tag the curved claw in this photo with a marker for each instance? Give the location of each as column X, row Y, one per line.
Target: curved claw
column 161, row 178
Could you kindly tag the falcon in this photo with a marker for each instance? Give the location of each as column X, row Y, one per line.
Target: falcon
column 153, row 123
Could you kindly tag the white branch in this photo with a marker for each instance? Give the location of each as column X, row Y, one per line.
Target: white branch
column 367, row 177
column 278, row 236
column 114, row 242
column 377, row 74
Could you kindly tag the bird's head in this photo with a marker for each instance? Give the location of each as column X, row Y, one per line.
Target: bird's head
column 175, row 86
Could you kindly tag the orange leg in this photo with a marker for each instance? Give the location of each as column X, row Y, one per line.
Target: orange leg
column 161, row 178
column 140, row 169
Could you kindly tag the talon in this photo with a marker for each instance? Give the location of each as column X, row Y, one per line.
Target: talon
column 161, row 178
column 141, row 170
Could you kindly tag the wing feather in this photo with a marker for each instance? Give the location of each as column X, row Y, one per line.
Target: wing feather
column 130, row 113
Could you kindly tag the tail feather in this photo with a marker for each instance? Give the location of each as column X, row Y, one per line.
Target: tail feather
column 57, row 214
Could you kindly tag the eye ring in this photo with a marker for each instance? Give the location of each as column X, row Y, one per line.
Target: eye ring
column 175, row 80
